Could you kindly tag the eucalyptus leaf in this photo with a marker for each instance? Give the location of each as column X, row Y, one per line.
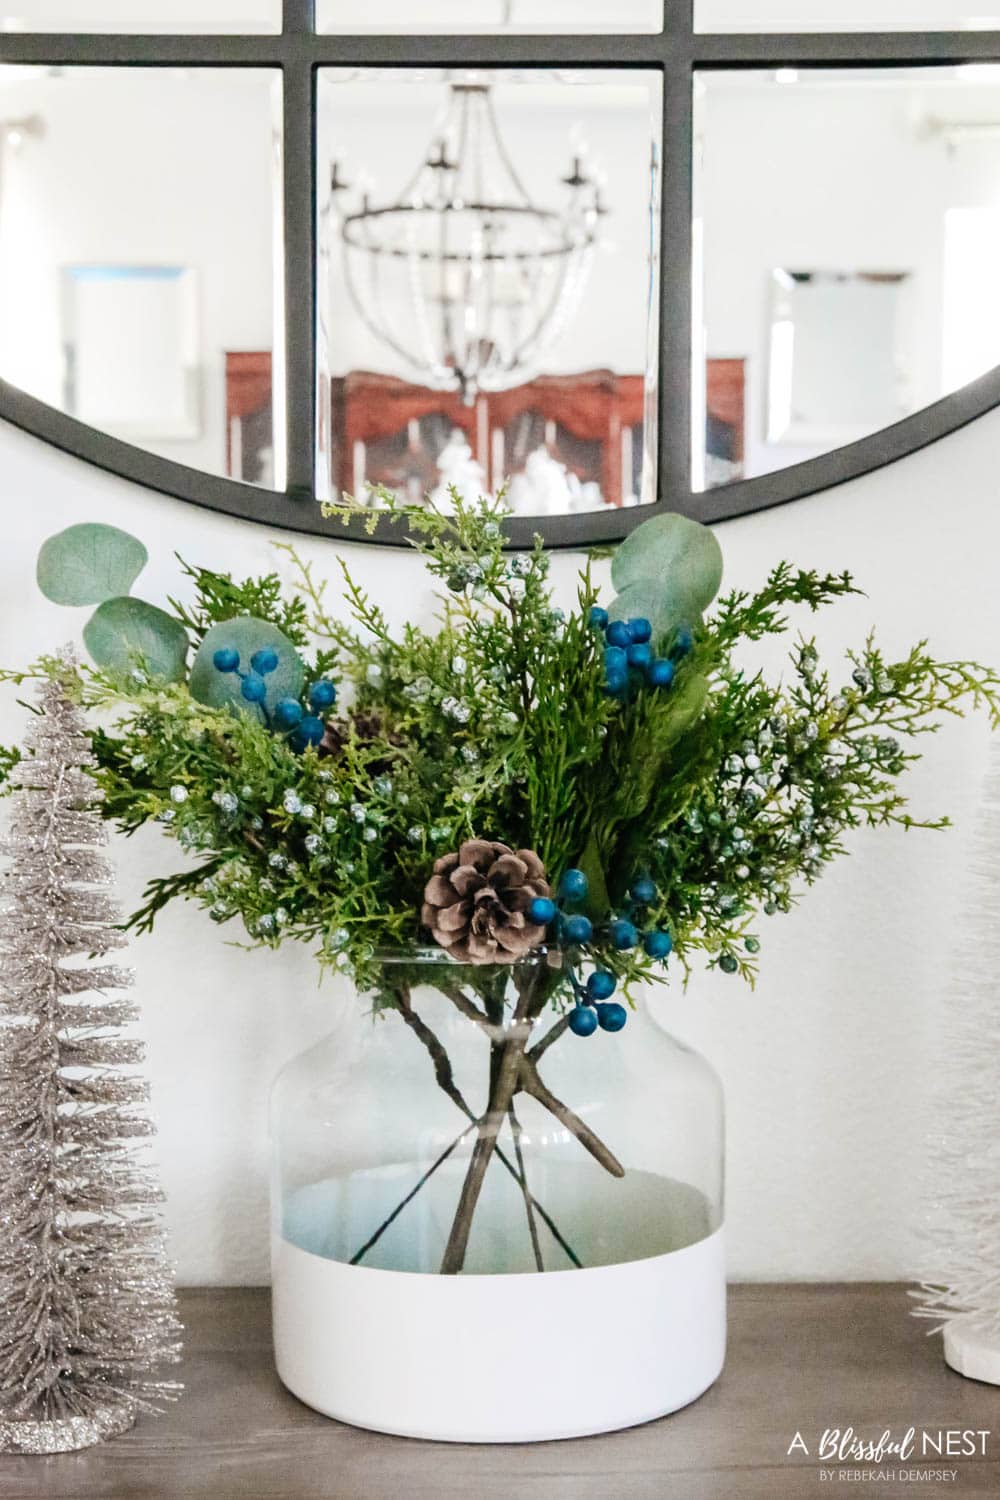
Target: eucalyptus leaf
column 246, row 635
column 122, row 633
column 89, row 563
column 672, row 566
column 598, row 903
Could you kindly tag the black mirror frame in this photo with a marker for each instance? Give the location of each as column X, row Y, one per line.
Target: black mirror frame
column 678, row 53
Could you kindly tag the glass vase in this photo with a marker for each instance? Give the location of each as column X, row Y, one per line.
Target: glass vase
column 488, row 1228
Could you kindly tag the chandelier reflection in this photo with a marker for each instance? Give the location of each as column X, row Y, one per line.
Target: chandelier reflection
column 465, row 276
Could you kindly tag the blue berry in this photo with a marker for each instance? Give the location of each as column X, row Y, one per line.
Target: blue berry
column 578, row 930
column 611, row 1017
column 264, row 661
column 322, row 695
column 618, row 634
column 598, row 618
column 643, row 890
column 728, row 964
column 582, row 1021
column 288, row 713
column 311, row 729
column 601, row 985
column 640, row 629
column 624, row 935
column 254, row 688
column 226, row 660
column 658, row 944
column 616, row 683
column 660, row 673
column 615, row 658
column 542, row 911
column 683, row 641
column 640, row 654
column 573, row 886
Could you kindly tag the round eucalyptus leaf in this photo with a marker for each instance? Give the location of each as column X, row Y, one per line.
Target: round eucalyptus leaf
column 125, row 633
column 246, row 635
column 679, row 555
column 88, row 563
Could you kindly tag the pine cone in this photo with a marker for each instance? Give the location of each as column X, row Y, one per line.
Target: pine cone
column 476, row 903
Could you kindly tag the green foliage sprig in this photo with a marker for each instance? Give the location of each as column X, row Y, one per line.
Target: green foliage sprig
column 726, row 791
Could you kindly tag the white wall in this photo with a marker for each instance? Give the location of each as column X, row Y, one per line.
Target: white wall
column 826, row 1067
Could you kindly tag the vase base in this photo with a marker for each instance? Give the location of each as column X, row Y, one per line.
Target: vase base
column 500, row 1359
column 973, row 1350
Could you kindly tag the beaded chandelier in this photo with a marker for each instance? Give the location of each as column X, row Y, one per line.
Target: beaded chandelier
column 465, row 276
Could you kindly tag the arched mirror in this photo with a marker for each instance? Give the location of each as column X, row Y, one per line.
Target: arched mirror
column 597, row 255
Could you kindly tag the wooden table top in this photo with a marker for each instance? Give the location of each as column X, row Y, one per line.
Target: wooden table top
column 801, row 1359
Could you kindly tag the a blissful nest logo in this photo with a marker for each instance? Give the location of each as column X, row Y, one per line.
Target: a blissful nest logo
column 918, row 1455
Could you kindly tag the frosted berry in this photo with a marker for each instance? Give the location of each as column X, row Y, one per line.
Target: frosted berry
column 582, row 1021
column 623, row 934
column 226, row 660
column 611, row 1017
column 601, row 985
column 578, row 930
column 264, row 661
column 573, row 885
column 322, row 695
column 288, row 713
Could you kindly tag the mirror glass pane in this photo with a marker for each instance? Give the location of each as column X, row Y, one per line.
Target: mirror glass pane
column 491, row 16
column 137, row 255
column 847, row 234
column 488, row 285
column 141, row 16
column 846, row 15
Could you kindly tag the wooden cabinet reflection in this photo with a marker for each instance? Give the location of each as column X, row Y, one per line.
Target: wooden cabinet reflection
column 379, row 429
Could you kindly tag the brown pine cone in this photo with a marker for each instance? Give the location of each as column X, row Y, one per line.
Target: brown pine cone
column 476, row 903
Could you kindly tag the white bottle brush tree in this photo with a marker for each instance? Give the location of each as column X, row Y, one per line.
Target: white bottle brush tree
column 962, row 1290
column 86, row 1300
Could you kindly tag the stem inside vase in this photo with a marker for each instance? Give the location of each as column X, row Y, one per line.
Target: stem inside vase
column 513, row 1070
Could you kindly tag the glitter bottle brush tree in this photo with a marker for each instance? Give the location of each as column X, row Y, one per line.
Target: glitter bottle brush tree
column 962, row 1293
column 86, row 1300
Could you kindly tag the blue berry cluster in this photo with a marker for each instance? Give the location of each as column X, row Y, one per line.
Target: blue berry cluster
column 302, row 728
column 573, row 929
column 594, row 1006
column 628, row 654
column 625, row 931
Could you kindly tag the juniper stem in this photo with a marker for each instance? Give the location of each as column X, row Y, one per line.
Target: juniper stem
column 507, row 1057
column 446, row 1080
column 505, row 1070
column 536, row 1249
column 552, row 1035
column 532, row 1084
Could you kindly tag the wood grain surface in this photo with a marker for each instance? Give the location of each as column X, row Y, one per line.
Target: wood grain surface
column 801, row 1358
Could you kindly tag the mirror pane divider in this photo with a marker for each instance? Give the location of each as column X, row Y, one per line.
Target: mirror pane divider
column 675, row 258
column 299, row 165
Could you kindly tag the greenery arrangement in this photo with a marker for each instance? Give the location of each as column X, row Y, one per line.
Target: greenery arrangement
column 672, row 795
column 610, row 792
